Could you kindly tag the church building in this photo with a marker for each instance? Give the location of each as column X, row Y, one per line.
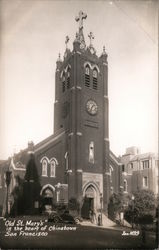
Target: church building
column 76, row 161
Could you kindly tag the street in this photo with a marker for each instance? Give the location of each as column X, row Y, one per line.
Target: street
column 73, row 236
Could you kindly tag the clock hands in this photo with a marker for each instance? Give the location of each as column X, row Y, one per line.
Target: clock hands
column 92, row 107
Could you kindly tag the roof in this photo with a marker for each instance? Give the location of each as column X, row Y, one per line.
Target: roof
column 20, row 159
column 144, row 156
column 114, row 158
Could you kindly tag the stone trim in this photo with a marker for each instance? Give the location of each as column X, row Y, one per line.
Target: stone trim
column 105, row 96
column 105, row 64
column 79, row 133
column 70, row 134
column 78, row 87
column 79, row 170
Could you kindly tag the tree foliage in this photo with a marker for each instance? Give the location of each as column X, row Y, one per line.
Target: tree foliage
column 115, row 205
column 31, row 186
column 73, row 204
column 141, row 210
column 17, row 193
column 27, row 191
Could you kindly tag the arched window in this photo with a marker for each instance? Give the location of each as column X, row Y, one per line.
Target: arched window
column 44, row 167
column 125, row 186
column 52, row 168
column 68, row 78
column 87, row 76
column 95, row 79
column 63, row 82
column 91, row 152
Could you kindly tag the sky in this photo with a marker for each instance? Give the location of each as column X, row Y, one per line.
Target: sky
column 33, row 32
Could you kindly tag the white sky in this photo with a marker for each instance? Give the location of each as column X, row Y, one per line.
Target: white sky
column 33, row 33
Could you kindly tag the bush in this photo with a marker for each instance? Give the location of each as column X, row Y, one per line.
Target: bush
column 141, row 210
column 115, row 205
column 73, row 204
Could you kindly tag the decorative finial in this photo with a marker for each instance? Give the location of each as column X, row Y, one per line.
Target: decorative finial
column 59, row 58
column 66, row 41
column 80, row 18
column 91, row 37
column 104, row 52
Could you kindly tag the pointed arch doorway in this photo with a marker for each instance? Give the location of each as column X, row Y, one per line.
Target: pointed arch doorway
column 47, row 196
column 90, row 193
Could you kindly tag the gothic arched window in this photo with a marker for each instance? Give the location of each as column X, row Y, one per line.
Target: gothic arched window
column 44, row 167
column 87, row 76
column 52, row 168
column 63, row 82
column 68, row 78
column 95, row 79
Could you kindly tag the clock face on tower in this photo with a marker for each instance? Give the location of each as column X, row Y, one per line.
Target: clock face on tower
column 91, row 107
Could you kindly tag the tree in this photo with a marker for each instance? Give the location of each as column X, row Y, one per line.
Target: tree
column 141, row 210
column 31, row 186
column 115, row 205
column 73, row 205
column 17, row 193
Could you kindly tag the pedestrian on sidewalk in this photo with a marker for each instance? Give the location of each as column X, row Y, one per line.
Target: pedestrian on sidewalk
column 94, row 217
column 91, row 215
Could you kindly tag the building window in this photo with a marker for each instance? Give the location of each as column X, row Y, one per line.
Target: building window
column 145, row 164
column 87, row 76
column 145, row 181
column 131, row 165
column 91, row 152
column 44, row 167
column 125, row 186
column 95, row 79
column 52, row 168
column 123, row 168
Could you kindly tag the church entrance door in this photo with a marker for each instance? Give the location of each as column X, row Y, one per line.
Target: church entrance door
column 47, row 200
column 88, row 204
column 87, row 207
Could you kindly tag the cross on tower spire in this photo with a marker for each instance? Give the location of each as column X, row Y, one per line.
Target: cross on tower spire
column 80, row 18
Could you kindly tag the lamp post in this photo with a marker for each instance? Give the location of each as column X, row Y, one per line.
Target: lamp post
column 101, row 203
column 8, row 179
column 133, row 198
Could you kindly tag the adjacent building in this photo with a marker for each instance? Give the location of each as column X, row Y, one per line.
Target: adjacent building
column 140, row 171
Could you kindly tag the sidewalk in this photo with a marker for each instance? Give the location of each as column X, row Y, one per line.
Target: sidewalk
column 106, row 223
column 90, row 224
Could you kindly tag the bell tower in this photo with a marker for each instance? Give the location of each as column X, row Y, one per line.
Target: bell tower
column 81, row 109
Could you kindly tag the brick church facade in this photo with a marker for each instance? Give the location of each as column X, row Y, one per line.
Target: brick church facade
column 76, row 161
